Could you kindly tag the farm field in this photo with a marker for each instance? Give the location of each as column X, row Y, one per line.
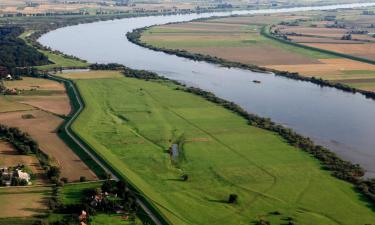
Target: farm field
column 239, row 39
column 38, row 110
column 23, row 201
column 132, row 124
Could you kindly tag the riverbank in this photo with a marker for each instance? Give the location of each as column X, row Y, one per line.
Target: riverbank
column 252, row 149
column 136, row 37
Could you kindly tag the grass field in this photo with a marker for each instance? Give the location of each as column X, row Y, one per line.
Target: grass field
column 72, row 193
column 132, row 123
column 239, row 39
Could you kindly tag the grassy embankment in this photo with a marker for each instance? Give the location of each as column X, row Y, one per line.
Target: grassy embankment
column 132, row 123
column 57, row 60
column 239, row 39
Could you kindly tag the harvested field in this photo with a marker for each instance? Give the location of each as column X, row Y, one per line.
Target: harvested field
column 10, row 157
column 44, row 94
column 7, row 105
column 304, row 39
column 259, row 55
column 28, row 83
column 326, row 32
column 361, row 50
column 91, row 74
column 43, row 129
column 23, row 201
column 55, row 104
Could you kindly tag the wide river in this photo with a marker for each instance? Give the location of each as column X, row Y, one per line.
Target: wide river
column 343, row 122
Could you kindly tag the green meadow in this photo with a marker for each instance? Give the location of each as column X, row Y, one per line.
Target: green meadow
column 132, row 123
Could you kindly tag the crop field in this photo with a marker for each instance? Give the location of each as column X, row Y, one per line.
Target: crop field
column 90, row 74
column 38, row 110
column 329, row 35
column 41, row 93
column 239, row 39
column 132, row 124
column 10, row 157
column 23, row 201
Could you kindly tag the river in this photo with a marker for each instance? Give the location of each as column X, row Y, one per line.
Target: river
column 341, row 121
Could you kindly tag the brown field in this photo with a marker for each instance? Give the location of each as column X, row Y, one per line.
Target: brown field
column 43, row 129
column 259, row 55
column 55, row 104
column 10, row 157
column 326, row 32
column 28, row 83
column 361, row 50
column 8, row 105
column 304, row 40
column 42, row 94
column 91, row 74
column 47, row 100
column 23, row 201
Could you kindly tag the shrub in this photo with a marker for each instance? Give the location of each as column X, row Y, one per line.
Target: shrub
column 232, row 198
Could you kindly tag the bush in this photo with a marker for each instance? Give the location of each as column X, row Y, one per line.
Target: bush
column 185, row 177
column 232, row 198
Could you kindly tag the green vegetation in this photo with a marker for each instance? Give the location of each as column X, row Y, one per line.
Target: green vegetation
column 112, row 219
column 60, row 61
column 15, row 52
column 132, row 123
column 73, row 193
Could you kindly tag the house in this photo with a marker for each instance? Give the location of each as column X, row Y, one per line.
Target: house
column 23, row 175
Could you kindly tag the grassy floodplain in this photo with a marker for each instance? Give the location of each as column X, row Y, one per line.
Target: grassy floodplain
column 131, row 123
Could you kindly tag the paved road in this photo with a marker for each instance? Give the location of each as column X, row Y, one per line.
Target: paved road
column 83, row 147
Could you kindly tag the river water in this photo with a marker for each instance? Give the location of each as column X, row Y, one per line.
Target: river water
column 343, row 122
